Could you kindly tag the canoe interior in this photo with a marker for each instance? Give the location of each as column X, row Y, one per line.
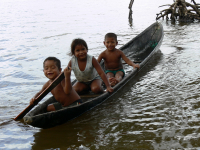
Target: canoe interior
column 139, row 49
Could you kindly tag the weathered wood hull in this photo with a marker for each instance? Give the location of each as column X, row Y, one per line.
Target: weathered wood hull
column 141, row 48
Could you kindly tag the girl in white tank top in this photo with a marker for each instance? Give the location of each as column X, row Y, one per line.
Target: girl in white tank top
column 86, row 69
column 89, row 74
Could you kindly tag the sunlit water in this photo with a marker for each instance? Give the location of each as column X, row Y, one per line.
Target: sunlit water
column 159, row 109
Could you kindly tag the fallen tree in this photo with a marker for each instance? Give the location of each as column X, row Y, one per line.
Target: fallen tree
column 181, row 10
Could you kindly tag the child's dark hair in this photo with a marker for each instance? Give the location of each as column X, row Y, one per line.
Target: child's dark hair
column 76, row 42
column 111, row 35
column 56, row 60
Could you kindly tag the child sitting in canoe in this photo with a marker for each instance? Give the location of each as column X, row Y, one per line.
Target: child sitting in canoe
column 87, row 70
column 112, row 59
column 63, row 92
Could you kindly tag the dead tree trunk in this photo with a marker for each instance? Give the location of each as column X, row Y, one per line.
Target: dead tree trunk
column 179, row 11
column 130, row 12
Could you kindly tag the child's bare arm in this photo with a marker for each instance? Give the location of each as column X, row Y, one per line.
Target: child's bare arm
column 128, row 61
column 37, row 94
column 102, row 74
column 69, row 64
column 100, row 57
column 67, row 86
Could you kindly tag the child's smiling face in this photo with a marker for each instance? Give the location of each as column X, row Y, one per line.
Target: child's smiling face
column 80, row 52
column 51, row 71
column 110, row 43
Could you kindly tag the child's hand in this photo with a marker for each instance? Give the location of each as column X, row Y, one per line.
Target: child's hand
column 109, row 89
column 67, row 71
column 136, row 66
column 32, row 101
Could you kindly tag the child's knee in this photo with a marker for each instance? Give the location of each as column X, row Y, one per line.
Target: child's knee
column 79, row 90
column 97, row 89
column 51, row 108
column 109, row 75
column 76, row 89
column 119, row 77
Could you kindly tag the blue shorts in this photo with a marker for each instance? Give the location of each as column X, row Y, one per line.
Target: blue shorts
column 115, row 71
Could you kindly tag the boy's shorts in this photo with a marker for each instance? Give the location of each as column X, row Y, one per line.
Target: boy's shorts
column 58, row 105
column 115, row 71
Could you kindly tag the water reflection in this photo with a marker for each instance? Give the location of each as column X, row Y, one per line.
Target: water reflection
column 60, row 137
column 12, row 134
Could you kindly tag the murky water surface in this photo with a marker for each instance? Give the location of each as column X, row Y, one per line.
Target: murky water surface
column 159, row 109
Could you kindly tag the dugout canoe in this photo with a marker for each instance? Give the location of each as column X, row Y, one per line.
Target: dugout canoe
column 140, row 49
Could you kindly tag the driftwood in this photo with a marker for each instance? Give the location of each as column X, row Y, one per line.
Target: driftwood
column 179, row 11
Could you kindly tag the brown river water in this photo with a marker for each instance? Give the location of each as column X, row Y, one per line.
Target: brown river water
column 158, row 109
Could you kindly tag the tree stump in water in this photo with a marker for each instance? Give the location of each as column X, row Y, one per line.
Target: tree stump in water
column 182, row 11
column 130, row 12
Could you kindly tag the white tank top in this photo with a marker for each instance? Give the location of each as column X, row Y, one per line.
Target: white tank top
column 88, row 74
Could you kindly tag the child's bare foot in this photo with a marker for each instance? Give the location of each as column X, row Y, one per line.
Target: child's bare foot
column 111, row 79
column 114, row 82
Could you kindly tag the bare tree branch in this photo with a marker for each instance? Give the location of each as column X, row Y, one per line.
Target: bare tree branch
column 178, row 10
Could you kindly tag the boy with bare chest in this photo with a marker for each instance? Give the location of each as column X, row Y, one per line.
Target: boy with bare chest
column 112, row 59
column 63, row 92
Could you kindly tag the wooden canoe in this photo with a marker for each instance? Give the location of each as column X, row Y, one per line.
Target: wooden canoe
column 140, row 49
